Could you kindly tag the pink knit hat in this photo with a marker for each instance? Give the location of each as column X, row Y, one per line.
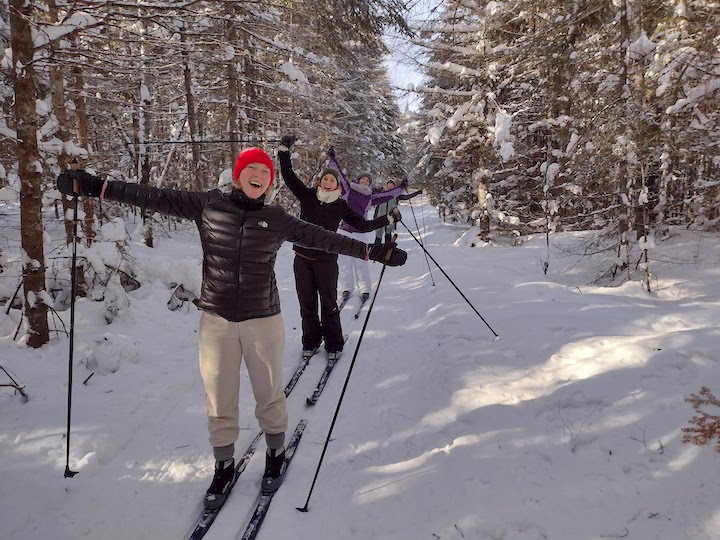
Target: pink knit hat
column 253, row 155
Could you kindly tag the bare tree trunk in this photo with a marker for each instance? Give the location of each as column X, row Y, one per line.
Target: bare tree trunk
column 232, row 91
column 247, row 95
column 84, row 142
column 28, row 157
column 196, row 180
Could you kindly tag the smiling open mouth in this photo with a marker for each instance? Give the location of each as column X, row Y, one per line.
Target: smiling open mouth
column 255, row 183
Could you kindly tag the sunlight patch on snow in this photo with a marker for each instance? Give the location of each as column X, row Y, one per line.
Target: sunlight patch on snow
column 388, row 383
column 684, row 459
column 620, row 420
column 411, row 468
column 367, row 446
column 86, row 460
column 46, row 445
column 465, row 440
column 713, row 524
column 164, row 471
column 575, row 361
column 597, row 356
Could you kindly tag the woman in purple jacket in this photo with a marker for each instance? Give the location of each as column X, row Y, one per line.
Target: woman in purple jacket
column 360, row 197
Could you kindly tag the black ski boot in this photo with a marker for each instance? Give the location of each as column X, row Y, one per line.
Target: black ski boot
column 274, row 471
column 221, row 484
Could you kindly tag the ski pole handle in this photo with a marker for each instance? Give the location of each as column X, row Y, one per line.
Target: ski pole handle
column 389, row 251
column 75, row 166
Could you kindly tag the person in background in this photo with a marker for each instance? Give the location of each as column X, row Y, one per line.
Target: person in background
column 387, row 207
column 240, row 304
column 316, row 271
column 360, row 196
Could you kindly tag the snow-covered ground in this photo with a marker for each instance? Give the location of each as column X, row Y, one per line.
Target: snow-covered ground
column 568, row 427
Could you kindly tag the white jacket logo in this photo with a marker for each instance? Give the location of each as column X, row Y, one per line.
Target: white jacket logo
column 263, row 224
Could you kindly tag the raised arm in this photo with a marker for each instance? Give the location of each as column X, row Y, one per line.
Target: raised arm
column 182, row 204
column 298, row 188
column 343, row 181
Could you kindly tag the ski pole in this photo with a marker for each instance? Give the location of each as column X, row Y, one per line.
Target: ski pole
column 451, row 282
column 347, row 381
column 76, row 191
column 421, row 243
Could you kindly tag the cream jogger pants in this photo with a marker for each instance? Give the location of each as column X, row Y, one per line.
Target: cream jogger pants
column 223, row 345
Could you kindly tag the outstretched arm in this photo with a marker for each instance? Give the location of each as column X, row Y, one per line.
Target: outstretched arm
column 377, row 198
column 408, row 196
column 364, row 225
column 309, row 235
column 183, row 204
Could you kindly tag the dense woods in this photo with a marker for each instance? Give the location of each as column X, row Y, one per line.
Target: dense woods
column 572, row 115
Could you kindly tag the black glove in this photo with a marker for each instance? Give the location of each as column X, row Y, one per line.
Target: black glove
column 287, row 141
column 87, row 184
column 396, row 215
column 387, row 254
column 331, row 152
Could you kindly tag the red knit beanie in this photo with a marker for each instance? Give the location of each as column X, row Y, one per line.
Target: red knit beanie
column 253, row 155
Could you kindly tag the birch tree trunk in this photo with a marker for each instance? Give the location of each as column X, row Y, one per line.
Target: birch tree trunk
column 141, row 133
column 624, row 174
column 28, row 157
column 143, row 166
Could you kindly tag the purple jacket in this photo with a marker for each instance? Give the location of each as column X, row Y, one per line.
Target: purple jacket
column 361, row 202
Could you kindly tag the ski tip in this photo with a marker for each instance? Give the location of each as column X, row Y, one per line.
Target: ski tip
column 302, row 509
column 309, row 402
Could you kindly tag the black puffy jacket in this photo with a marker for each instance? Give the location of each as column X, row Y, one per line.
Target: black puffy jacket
column 240, row 239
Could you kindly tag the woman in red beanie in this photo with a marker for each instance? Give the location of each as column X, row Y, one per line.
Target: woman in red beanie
column 241, row 318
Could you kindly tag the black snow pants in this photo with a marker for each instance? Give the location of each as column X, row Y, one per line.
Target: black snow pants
column 313, row 279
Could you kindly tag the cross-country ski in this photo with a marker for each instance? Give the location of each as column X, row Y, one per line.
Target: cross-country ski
column 207, row 516
column 263, row 504
column 332, row 359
